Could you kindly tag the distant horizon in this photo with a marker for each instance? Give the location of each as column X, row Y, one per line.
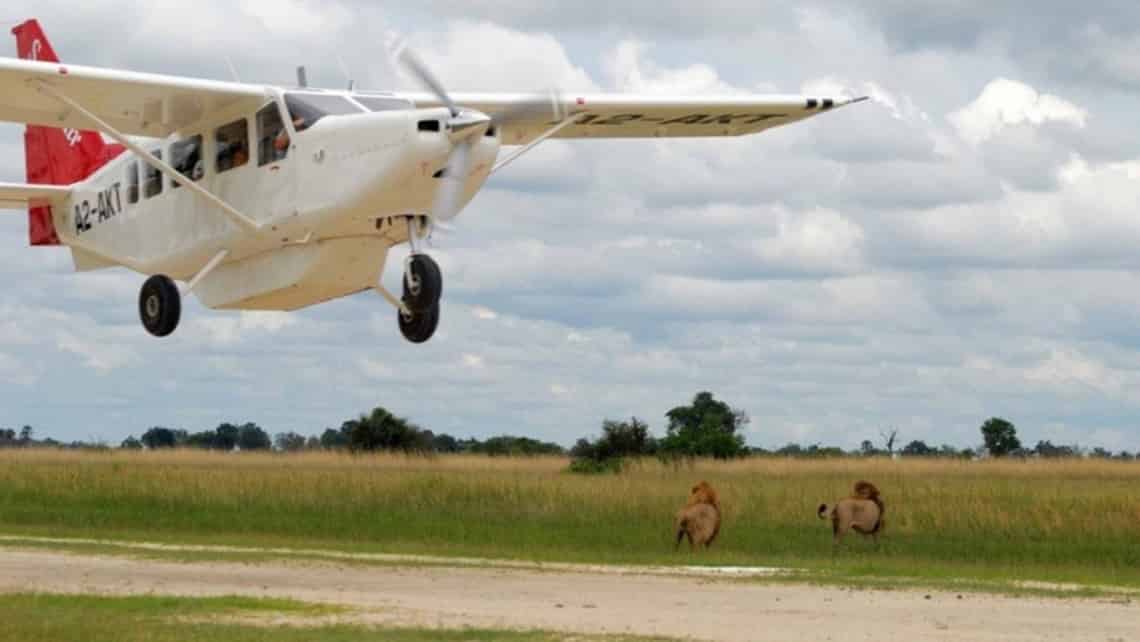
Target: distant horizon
column 1027, row 444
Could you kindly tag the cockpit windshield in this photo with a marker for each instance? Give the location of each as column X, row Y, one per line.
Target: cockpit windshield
column 382, row 103
column 306, row 109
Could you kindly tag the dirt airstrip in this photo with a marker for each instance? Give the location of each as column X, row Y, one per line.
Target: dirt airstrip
column 589, row 602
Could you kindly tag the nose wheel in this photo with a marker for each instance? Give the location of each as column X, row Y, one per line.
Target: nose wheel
column 419, row 326
column 423, row 283
column 160, row 305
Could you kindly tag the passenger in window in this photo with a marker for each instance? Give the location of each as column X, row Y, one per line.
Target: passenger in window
column 280, row 144
column 240, row 157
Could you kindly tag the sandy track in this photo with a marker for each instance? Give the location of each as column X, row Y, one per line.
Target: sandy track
column 588, row 603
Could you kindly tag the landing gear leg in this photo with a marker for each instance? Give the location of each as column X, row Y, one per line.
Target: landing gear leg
column 160, row 305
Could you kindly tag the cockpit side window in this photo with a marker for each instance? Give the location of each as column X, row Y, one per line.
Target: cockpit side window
column 186, row 157
column 306, row 109
column 133, row 182
column 272, row 137
column 152, row 181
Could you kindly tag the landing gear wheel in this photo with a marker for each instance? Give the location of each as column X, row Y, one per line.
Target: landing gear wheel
column 418, row 327
column 423, row 283
column 160, row 305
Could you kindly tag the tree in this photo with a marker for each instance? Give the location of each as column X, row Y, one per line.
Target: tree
column 381, row 430
column 7, row 437
column 1047, row 450
column 514, row 446
column 791, row 450
column 313, row 443
column 288, row 442
column 706, row 427
column 130, row 443
column 26, row 434
column 252, row 437
column 227, row 437
column 1000, row 437
column 159, row 437
column 334, row 439
column 946, row 450
column 889, row 437
column 444, row 444
column 207, row 440
column 918, row 448
column 619, row 439
column 867, row 448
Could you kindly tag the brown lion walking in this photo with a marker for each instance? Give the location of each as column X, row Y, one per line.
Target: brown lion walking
column 862, row 513
column 699, row 519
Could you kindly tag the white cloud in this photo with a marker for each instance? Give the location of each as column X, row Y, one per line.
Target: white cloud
column 1004, row 103
column 631, row 71
column 483, row 56
column 98, row 354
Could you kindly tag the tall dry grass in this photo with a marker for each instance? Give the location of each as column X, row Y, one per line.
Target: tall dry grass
column 1070, row 518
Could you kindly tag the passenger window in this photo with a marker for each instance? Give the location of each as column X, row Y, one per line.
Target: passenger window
column 133, row 182
column 273, row 139
column 186, row 158
column 152, row 181
column 232, row 143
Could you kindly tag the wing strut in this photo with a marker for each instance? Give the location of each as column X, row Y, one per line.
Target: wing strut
column 569, row 120
column 241, row 220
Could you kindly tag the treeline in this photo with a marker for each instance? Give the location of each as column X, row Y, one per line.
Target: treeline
column 379, row 430
column 705, row 427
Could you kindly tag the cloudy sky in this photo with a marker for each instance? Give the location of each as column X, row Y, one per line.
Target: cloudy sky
column 964, row 246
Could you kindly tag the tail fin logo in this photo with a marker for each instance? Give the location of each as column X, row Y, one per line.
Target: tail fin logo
column 37, row 47
column 73, row 136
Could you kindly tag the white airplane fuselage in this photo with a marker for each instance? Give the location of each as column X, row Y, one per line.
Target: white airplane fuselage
column 328, row 211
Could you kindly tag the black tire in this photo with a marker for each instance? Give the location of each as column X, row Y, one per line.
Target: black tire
column 428, row 283
column 420, row 326
column 160, row 305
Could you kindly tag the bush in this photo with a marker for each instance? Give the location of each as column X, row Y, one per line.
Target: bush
column 586, row 466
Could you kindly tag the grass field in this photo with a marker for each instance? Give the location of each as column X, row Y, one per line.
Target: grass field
column 59, row 618
column 1073, row 521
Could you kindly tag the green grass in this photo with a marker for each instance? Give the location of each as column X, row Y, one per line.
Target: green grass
column 65, row 618
column 1071, row 521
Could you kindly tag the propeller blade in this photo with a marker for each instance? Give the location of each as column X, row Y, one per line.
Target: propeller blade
column 550, row 105
column 450, row 192
column 403, row 55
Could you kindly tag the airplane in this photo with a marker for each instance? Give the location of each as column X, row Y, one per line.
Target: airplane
column 262, row 197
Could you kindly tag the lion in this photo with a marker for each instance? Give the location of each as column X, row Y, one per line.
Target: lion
column 699, row 519
column 862, row 513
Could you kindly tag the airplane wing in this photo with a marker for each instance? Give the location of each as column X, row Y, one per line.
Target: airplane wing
column 20, row 195
column 134, row 103
column 633, row 116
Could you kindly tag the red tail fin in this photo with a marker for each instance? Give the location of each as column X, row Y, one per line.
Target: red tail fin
column 55, row 156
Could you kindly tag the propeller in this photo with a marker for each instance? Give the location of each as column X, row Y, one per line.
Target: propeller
column 466, row 126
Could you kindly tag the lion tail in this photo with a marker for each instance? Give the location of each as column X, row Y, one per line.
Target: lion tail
column 682, row 528
column 822, row 511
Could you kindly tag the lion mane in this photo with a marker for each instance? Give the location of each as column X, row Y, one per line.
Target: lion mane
column 699, row 518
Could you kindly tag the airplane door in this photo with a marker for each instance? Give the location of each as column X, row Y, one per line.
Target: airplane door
column 276, row 162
